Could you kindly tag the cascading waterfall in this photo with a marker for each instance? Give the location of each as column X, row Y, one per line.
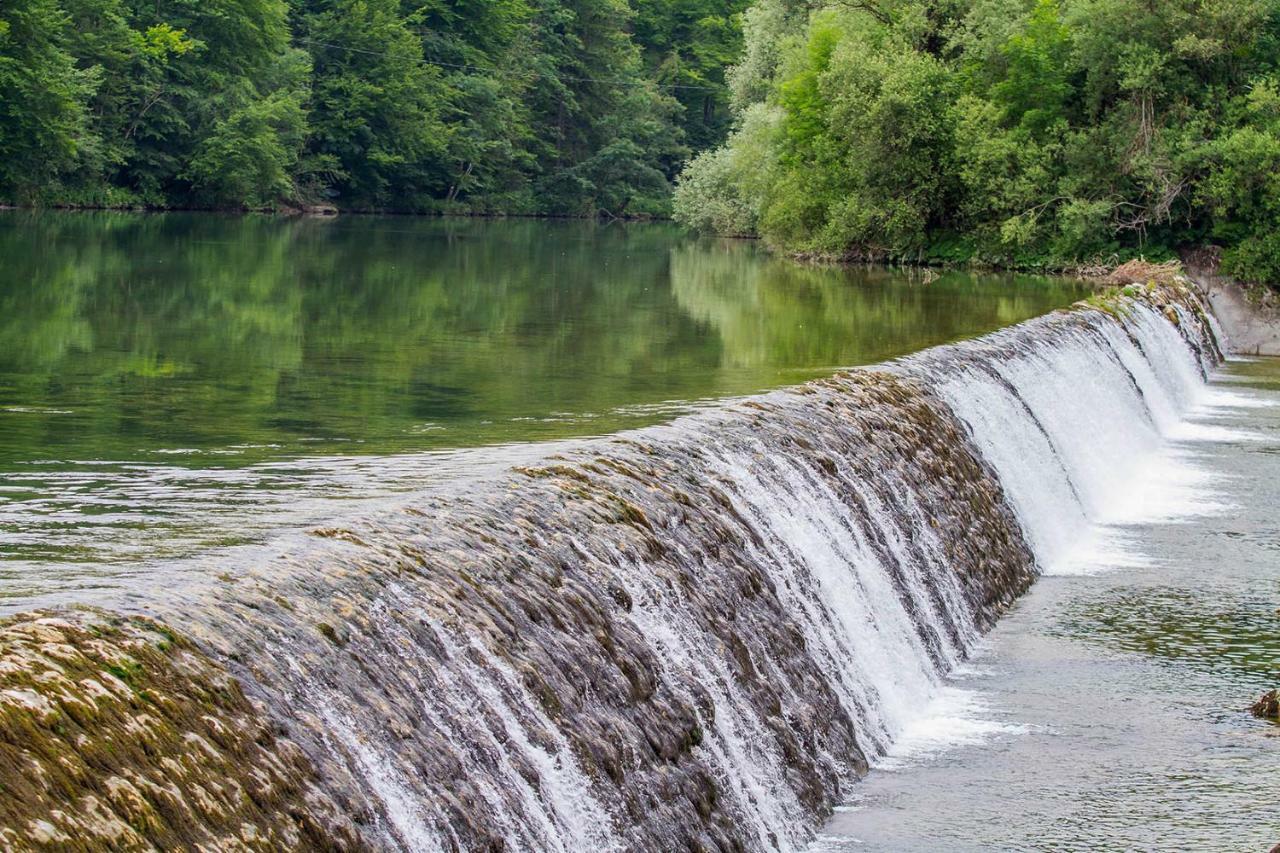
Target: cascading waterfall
column 1069, row 421
column 694, row 636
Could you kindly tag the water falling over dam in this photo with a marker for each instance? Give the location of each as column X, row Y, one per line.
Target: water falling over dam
column 695, row 636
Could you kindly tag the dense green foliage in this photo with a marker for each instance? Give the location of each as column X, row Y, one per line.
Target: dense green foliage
column 1046, row 133
column 538, row 106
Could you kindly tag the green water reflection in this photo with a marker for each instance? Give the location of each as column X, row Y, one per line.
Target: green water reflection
column 235, row 339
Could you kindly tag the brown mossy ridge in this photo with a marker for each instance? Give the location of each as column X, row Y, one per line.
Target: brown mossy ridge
column 117, row 734
column 1161, row 285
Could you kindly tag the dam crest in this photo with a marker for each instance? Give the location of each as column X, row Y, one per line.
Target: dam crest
column 692, row 636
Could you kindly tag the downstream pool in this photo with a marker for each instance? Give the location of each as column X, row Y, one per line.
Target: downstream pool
column 174, row 383
column 1109, row 710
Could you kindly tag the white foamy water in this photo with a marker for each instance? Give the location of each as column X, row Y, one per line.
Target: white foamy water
column 1089, row 437
column 955, row 717
column 1079, row 434
column 1125, row 690
column 702, row 635
column 852, row 607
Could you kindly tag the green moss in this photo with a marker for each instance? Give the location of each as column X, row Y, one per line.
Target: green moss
column 1113, row 301
column 126, row 670
column 82, row 736
column 331, row 634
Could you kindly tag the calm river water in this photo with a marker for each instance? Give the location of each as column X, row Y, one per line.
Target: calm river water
column 174, row 383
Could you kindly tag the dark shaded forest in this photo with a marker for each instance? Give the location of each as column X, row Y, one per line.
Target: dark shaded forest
column 573, row 107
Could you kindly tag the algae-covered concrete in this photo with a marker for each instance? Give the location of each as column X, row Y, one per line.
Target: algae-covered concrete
column 115, row 734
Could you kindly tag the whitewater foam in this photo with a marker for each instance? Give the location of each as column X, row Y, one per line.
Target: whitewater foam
column 702, row 635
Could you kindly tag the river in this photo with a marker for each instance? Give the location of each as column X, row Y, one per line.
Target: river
column 1107, row 711
column 439, row 535
column 174, row 384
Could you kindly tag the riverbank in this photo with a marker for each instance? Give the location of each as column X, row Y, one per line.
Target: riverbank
column 332, row 210
column 1260, row 303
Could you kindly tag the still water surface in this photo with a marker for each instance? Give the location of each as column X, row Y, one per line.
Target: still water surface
column 171, row 383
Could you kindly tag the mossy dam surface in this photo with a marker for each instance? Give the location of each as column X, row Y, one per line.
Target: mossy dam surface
column 710, row 634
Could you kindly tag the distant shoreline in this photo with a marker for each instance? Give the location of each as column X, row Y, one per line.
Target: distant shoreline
column 333, row 211
column 1099, row 272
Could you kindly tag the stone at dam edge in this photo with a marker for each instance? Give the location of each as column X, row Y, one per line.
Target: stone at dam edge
column 1268, row 706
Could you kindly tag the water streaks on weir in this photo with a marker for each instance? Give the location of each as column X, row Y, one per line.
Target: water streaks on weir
column 694, row 636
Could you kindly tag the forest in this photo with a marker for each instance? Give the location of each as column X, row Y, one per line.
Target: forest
column 1035, row 134
column 1051, row 134
column 569, row 107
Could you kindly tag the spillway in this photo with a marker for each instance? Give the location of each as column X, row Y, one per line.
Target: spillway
column 694, row 636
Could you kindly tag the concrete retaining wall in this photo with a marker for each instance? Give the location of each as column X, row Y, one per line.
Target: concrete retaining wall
column 1251, row 322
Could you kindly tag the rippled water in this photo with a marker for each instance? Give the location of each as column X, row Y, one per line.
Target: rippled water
column 1108, row 710
column 174, row 383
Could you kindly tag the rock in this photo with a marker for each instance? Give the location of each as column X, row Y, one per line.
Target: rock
column 1267, row 707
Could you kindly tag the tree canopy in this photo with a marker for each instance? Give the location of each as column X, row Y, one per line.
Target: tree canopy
column 523, row 106
column 1031, row 133
column 1027, row 133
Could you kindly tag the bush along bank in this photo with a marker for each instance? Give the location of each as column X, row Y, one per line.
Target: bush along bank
column 1043, row 134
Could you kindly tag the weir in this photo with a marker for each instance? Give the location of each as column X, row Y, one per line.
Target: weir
column 694, row 636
